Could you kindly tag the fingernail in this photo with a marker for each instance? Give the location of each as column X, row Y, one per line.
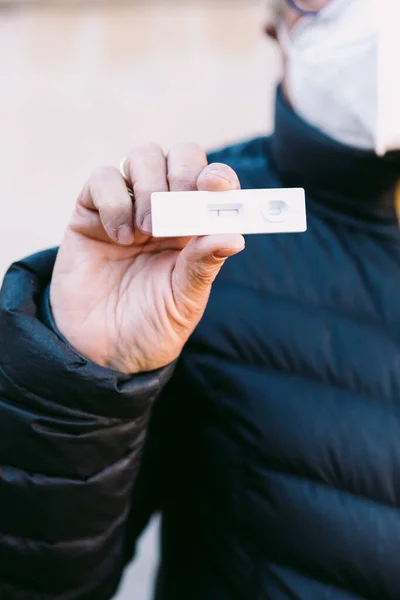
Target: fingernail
column 146, row 223
column 218, row 174
column 227, row 252
column 124, row 235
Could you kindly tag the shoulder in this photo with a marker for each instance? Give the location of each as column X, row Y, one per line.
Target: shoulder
column 251, row 161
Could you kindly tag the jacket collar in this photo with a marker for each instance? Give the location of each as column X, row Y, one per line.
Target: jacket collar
column 356, row 183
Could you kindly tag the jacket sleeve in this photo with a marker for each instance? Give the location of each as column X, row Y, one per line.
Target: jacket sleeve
column 71, row 438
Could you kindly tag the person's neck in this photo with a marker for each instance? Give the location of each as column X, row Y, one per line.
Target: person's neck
column 349, row 181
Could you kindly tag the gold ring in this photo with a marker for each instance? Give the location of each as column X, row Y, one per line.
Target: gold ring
column 127, row 183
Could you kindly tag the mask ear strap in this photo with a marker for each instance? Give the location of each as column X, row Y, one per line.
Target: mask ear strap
column 283, row 37
column 301, row 11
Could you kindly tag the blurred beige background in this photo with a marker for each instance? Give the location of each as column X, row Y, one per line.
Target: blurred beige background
column 83, row 81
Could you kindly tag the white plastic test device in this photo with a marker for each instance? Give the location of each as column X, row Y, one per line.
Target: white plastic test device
column 180, row 214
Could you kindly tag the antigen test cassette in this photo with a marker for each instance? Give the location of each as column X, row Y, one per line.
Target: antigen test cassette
column 180, row 214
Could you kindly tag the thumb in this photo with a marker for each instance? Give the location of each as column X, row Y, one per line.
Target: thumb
column 197, row 267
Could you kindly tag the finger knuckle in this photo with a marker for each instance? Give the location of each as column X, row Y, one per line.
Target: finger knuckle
column 113, row 212
column 110, row 226
column 102, row 174
column 183, row 175
column 204, row 273
column 188, row 148
column 141, row 191
column 185, row 162
column 79, row 212
column 144, row 148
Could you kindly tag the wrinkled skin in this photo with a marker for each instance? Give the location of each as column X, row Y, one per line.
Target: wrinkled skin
column 122, row 298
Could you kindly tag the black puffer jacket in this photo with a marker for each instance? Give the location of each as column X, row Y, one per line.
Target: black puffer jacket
column 274, row 450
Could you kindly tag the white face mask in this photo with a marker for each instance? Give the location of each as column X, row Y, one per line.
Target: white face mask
column 336, row 77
